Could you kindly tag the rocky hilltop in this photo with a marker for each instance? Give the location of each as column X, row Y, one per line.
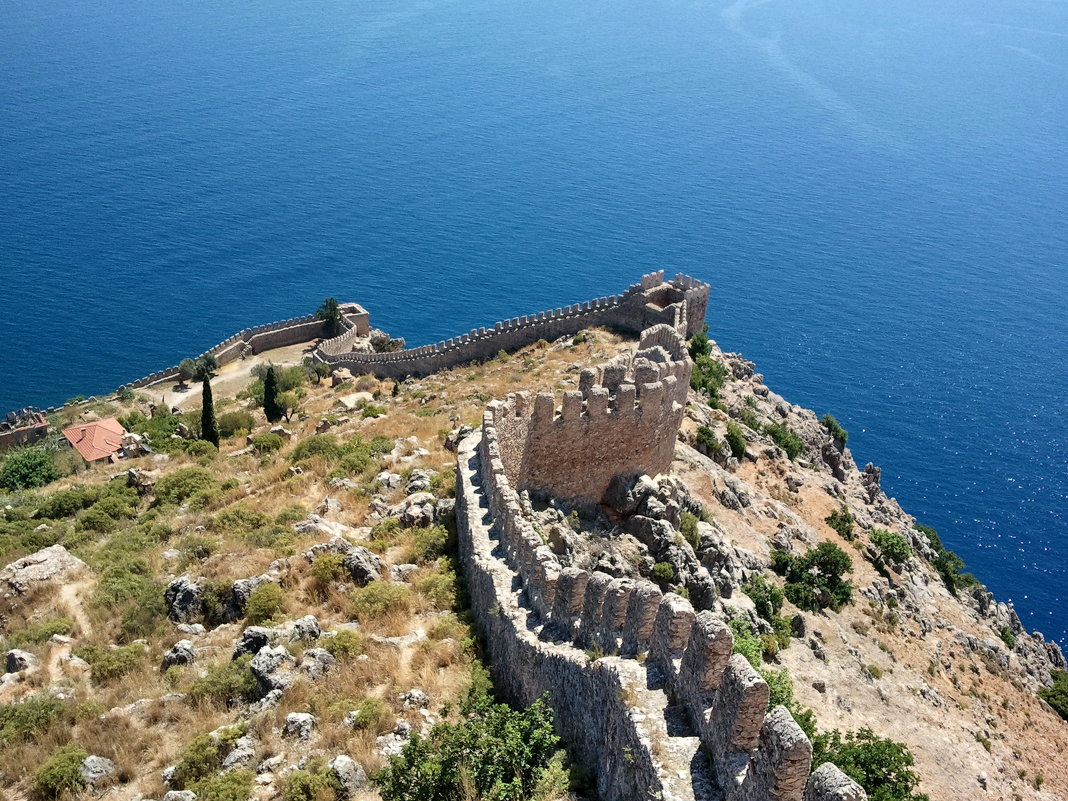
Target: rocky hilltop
column 712, row 598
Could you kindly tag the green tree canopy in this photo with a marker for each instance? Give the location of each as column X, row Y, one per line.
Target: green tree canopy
column 330, row 314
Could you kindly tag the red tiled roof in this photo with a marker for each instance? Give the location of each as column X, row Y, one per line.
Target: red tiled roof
column 97, row 440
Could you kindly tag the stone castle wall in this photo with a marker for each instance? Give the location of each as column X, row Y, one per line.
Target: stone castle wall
column 680, row 302
column 280, row 334
column 622, row 419
column 538, row 618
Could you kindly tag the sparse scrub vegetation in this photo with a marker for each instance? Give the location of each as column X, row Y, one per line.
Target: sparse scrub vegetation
column 815, row 581
column 842, row 521
column 838, row 434
column 786, row 438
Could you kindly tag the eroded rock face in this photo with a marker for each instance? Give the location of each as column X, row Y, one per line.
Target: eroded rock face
column 95, row 769
column 18, row 660
column 299, row 725
column 349, row 773
column 273, row 670
column 317, row 662
column 183, row 599
column 53, row 563
column 181, row 653
column 252, row 640
column 415, row 511
column 363, row 566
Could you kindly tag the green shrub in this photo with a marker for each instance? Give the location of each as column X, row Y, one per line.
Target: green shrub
column 324, row 445
column 291, row 514
column 238, row 519
column 40, row 632
column 107, row 664
column 838, row 434
column 1007, row 637
column 233, row 786
column 197, row 548
column 345, row 644
column 24, row 721
column 183, row 484
column 947, row 563
column 27, row 468
column 232, row 424
column 264, row 603
column 314, row 782
column 736, row 440
column 379, row 598
column 371, row 410
column 280, row 538
column 882, row 767
column 440, row 588
column 688, row 528
column 67, row 503
column 708, row 376
column 746, row 642
column 430, row 543
column 766, row 596
column 663, row 573
column 698, row 344
column 61, row 773
column 492, row 752
column 267, row 443
column 201, row 448
column 892, row 547
column 842, row 521
column 786, row 438
column 96, row 520
column 1057, row 695
column 225, row 683
column 814, row 581
column 328, row 568
column 204, row 756
column 706, row 441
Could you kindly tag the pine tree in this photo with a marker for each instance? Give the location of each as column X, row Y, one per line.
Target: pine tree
column 209, row 429
column 271, row 409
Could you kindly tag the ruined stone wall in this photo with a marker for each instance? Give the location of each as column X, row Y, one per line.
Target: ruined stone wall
column 686, row 302
column 755, row 756
column 280, row 334
column 623, row 419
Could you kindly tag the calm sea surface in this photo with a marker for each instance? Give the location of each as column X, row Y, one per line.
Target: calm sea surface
column 876, row 191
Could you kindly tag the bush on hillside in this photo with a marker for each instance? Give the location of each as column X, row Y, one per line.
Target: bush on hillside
column 236, row 423
column 815, row 581
column 183, row 484
column 842, row 521
column 225, row 683
column 838, row 434
column 736, row 440
column 61, row 773
column 786, row 438
column 1057, row 695
column 882, row 767
column 892, row 547
column 27, row 468
column 492, row 753
column 264, row 604
column 25, row 721
column 766, row 596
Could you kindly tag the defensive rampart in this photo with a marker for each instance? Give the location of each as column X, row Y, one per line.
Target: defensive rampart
column 622, row 419
column 614, row 711
column 680, row 303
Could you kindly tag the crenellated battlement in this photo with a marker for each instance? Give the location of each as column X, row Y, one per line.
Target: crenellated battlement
column 680, row 303
column 755, row 755
column 622, row 419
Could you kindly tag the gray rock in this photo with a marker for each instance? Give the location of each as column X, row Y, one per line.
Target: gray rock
column 181, row 653
column 342, row 484
column 317, row 662
column 18, row 660
column 242, row 754
column 328, row 506
column 418, row 481
column 179, row 795
column 95, row 769
column 182, row 597
column 388, row 480
column 53, row 563
column 252, row 640
column 316, row 524
column 191, row 628
column 349, row 773
column 415, row 511
column 306, row 628
column 273, row 670
column 363, row 566
column 300, row 725
column 401, row 572
column 336, row 545
column 416, row 699
column 828, row 783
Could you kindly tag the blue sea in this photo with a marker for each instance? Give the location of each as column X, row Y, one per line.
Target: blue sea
column 876, row 191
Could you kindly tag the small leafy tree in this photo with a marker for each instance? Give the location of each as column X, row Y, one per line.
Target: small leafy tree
column 209, row 428
column 492, row 752
column 698, row 345
column 288, row 402
column 892, row 547
column 187, row 368
column 882, row 767
column 1057, row 695
column 834, row 428
column 815, row 581
column 330, row 314
column 205, row 366
column 271, row 410
column 28, row 468
column 736, row 440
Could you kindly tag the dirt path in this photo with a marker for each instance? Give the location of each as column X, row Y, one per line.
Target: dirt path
column 231, row 379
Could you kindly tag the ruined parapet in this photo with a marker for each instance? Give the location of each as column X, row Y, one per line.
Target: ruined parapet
column 757, row 755
column 679, row 303
column 623, row 420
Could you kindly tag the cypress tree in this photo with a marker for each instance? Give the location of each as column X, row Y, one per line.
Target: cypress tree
column 209, row 429
column 271, row 409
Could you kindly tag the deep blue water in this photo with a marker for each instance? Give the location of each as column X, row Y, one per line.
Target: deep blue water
column 877, row 193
